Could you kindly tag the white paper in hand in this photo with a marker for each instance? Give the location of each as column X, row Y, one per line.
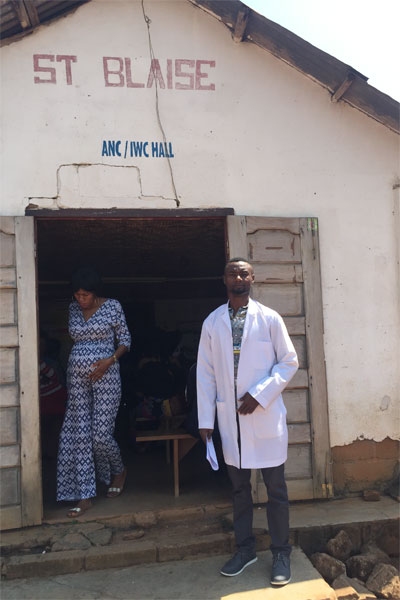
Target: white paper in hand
column 211, row 456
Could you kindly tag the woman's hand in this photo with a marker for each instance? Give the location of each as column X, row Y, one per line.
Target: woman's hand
column 100, row 367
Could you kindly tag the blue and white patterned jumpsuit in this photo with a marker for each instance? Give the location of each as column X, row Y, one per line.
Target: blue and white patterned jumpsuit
column 87, row 446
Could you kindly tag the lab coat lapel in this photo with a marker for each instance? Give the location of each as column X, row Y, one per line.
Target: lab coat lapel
column 251, row 313
column 226, row 319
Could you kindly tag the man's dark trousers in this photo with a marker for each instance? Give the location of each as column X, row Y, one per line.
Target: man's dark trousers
column 277, row 508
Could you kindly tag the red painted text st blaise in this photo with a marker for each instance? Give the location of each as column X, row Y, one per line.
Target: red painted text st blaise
column 174, row 74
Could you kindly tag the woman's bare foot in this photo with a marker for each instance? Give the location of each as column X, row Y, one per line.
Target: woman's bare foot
column 80, row 508
column 117, row 485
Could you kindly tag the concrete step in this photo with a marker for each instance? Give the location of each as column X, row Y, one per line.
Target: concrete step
column 175, row 535
column 192, row 579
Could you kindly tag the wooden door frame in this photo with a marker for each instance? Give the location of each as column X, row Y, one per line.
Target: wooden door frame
column 26, row 263
column 28, row 352
column 32, row 496
column 237, row 231
column 318, row 390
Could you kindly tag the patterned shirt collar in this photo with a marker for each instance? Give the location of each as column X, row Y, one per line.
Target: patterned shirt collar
column 242, row 310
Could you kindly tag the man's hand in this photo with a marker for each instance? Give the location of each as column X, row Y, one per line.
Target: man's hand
column 206, row 434
column 248, row 404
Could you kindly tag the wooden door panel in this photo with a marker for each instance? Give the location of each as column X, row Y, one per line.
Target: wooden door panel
column 299, row 343
column 298, row 465
column 299, row 380
column 278, row 273
column 285, row 299
column 20, row 467
column 7, row 304
column 298, row 489
column 285, row 256
column 254, row 224
column 296, row 402
column 274, row 246
column 299, row 433
column 295, row 325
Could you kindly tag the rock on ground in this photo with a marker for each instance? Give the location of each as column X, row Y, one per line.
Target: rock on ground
column 86, row 528
column 371, row 495
column 340, row 546
column 361, row 565
column 371, row 548
column 363, row 592
column 71, row 541
column 384, row 581
column 101, row 537
column 344, row 589
column 327, row 566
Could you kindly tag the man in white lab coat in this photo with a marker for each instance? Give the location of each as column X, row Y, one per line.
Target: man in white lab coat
column 245, row 361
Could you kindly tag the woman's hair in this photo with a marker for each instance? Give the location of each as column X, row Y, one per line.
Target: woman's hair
column 87, row 279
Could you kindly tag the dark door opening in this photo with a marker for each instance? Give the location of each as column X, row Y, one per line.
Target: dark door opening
column 167, row 275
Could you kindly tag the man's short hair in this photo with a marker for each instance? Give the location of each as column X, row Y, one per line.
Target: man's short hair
column 238, row 259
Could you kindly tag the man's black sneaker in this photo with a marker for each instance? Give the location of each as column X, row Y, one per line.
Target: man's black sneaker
column 280, row 574
column 238, row 563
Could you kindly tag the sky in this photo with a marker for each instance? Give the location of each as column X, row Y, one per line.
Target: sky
column 361, row 33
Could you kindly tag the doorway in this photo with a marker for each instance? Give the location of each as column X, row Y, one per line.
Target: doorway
column 166, row 272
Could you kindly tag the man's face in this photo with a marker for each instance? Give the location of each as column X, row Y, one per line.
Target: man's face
column 238, row 278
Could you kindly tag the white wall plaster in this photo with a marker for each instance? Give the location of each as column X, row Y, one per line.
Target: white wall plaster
column 268, row 141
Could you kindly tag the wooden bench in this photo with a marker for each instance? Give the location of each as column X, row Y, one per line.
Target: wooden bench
column 182, row 443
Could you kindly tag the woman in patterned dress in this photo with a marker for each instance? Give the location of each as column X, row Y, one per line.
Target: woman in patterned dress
column 87, row 448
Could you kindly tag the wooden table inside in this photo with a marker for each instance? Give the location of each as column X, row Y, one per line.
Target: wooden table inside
column 182, row 443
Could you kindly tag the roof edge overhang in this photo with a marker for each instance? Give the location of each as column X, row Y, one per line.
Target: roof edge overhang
column 339, row 79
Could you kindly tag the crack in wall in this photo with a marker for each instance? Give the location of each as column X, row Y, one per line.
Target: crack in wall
column 57, row 198
column 152, row 58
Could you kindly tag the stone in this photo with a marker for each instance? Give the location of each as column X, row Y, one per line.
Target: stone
column 388, row 541
column 100, row 537
column 88, row 527
column 340, row 546
column 344, row 589
column 45, row 565
column 385, row 582
column 395, row 562
column 147, row 518
column 136, row 534
column 363, row 592
column 314, row 539
column 372, row 548
column 12, row 541
column 394, row 489
column 371, row 495
column 361, row 566
column 120, row 555
column 71, row 541
column 57, row 533
column 330, row 568
column 355, row 534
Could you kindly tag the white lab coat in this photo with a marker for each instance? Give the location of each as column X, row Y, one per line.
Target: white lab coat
column 267, row 363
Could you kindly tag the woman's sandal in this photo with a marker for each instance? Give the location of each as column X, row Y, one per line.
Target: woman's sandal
column 113, row 491
column 78, row 511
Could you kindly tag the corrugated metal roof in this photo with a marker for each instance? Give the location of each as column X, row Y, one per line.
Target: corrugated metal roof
column 20, row 17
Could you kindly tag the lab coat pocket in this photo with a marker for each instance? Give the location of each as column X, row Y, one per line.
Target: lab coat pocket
column 270, row 422
column 263, row 354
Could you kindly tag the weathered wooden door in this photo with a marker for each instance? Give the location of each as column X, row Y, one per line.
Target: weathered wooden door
column 285, row 255
column 20, row 468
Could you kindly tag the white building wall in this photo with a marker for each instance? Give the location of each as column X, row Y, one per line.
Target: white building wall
column 266, row 141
